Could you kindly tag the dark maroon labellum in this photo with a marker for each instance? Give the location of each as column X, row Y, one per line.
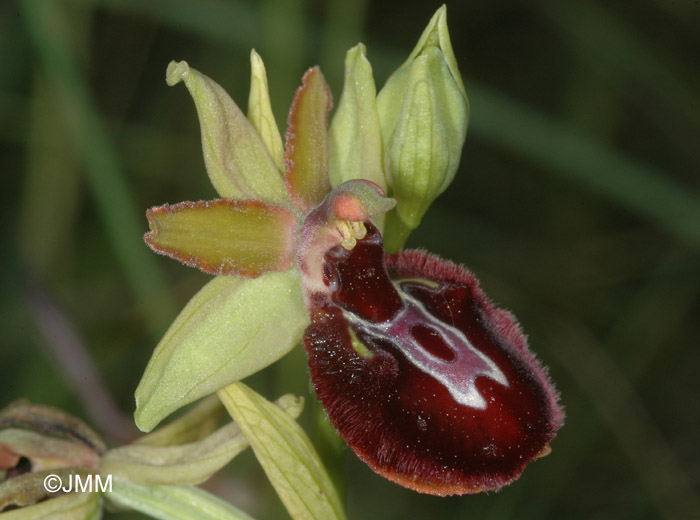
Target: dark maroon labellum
column 423, row 377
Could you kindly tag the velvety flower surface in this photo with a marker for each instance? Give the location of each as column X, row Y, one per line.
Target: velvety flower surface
column 424, row 378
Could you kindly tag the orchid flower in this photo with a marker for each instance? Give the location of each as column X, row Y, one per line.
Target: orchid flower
column 426, row 380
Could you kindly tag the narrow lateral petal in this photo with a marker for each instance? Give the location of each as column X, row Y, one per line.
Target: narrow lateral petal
column 224, row 236
column 237, row 160
column 307, row 142
column 232, row 328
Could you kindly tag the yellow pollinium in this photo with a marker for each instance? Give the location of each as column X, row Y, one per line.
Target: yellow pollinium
column 351, row 232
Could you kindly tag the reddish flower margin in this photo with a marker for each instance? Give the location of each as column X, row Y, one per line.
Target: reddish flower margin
column 421, row 407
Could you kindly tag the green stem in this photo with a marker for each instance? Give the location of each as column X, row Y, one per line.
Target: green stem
column 396, row 232
column 331, row 448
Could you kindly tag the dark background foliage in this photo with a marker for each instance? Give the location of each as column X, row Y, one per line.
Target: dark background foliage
column 576, row 204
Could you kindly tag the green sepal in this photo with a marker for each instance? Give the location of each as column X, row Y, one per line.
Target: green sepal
column 190, row 463
column 260, row 111
column 285, row 453
column 173, row 502
column 355, row 136
column 230, row 329
column 236, row 158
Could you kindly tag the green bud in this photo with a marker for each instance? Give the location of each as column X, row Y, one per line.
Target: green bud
column 423, row 113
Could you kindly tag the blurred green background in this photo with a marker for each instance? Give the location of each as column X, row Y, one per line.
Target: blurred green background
column 576, row 204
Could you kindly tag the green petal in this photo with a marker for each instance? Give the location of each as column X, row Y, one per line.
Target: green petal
column 232, row 328
column 355, row 136
column 237, row 160
column 189, row 463
column 307, row 142
column 224, row 236
column 173, row 502
column 285, row 453
column 260, row 111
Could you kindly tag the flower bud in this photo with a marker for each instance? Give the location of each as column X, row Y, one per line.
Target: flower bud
column 423, row 113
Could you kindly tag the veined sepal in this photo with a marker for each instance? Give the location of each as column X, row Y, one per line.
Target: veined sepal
column 172, row 502
column 230, row 329
column 260, row 111
column 285, row 453
column 237, row 160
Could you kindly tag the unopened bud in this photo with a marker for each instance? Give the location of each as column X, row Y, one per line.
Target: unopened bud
column 423, row 113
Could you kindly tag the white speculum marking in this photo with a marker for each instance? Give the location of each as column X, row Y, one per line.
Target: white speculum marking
column 457, row 375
